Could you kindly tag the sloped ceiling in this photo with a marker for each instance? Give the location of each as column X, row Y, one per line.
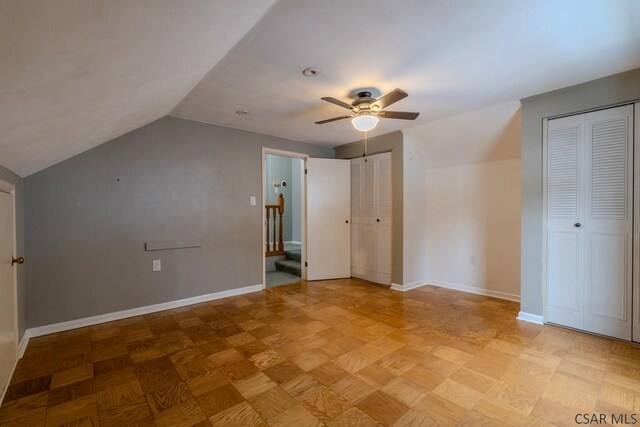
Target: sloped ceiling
column 77, row 73
column 451, row 56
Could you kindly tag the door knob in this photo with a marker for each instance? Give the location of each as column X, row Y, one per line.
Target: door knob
column 347, row 221
column 19, row 260
column 577, row 225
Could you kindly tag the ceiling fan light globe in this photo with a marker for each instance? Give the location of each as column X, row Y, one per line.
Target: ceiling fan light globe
column 365, row 122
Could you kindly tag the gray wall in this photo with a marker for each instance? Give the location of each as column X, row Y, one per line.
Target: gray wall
column 88, row 218
column 10, row 177
column 392, row 142
column 599, row 93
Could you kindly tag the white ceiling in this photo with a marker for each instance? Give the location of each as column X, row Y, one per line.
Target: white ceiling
column 77, row 73
column 451, row 56
column 484, row 135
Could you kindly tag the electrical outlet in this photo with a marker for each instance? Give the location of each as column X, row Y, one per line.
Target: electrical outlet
column 157, row 265
column 473, row 260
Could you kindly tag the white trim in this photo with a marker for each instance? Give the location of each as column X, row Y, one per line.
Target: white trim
column 473, row 290
column 118, row 315
column 293, row 242
column 408, row 286
column 24, row 342
column 531, row 318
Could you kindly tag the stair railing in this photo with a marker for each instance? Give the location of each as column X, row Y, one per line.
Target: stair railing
column 274, row 217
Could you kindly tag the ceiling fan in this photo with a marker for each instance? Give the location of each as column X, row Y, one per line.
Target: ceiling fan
column 366, row 110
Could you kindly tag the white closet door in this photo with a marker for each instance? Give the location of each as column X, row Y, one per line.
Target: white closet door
column 357, row 252
column 369, row 220
column 328, row 214
column 383, row 217
column 636, row 226
column 564, row 206
column 589, row 221
column 608, row 224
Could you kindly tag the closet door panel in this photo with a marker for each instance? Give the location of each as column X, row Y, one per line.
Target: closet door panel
column 369, row 249
column 384, row 203
column 383, row 251
column 608, row 228
column 564, row 293
column 564, row 206
column 357, row 252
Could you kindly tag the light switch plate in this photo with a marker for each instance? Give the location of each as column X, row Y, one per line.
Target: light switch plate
column 157, row 265
column 252, row 200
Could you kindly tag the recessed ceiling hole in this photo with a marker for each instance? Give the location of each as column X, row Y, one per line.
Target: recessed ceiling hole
column 311, row 71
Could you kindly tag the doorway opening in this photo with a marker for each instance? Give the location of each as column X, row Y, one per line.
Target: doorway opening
column 283, row 217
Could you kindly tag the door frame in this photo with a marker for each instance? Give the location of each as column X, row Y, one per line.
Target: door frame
column 8, row 188
column 635, row 283
column 303, row 207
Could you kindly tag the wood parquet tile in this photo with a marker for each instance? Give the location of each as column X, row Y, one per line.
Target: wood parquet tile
column 335, row 353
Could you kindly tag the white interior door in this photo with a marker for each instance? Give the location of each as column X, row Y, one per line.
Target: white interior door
column 384, row 208
column 357, row 252
column 328, row 214
column 590, row 222
column 8, row 326
column 564, row 211
column 608, row 224
column 636, row 226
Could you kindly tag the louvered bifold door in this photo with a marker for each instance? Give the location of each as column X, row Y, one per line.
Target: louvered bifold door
column 368, row 229
column 357, row 249
column 564, row 206
column 383, row 217
column 608, row 223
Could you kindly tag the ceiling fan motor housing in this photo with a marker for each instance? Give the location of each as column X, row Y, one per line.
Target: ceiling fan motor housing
column 363, row 101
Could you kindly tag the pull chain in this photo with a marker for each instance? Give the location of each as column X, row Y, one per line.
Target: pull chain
column 365, row 145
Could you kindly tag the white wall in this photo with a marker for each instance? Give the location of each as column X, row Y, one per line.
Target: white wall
column 474, row 211
column 462, row 199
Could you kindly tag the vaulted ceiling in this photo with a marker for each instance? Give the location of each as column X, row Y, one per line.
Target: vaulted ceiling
column 75, row 74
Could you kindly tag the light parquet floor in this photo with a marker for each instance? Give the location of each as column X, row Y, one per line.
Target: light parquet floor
column 336, row 353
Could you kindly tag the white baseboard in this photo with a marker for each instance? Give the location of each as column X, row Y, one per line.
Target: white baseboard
column 408, row 286
column 118, row 315
column 23, row 343
column 531, row 318
column 473, row 290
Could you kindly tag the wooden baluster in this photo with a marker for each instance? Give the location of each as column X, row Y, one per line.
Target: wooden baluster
column 280, row 211
column 267, row 237
column 275, row 220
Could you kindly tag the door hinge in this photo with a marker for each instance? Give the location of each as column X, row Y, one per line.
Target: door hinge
column 305, row 171
column 305, row 264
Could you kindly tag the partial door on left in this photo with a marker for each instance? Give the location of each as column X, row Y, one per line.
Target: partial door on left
column 8, row 323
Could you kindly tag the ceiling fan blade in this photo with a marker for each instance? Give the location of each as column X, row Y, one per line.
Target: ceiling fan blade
column 391, row 98
column 337, row 102
column 404, row 115
column 335, row 119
